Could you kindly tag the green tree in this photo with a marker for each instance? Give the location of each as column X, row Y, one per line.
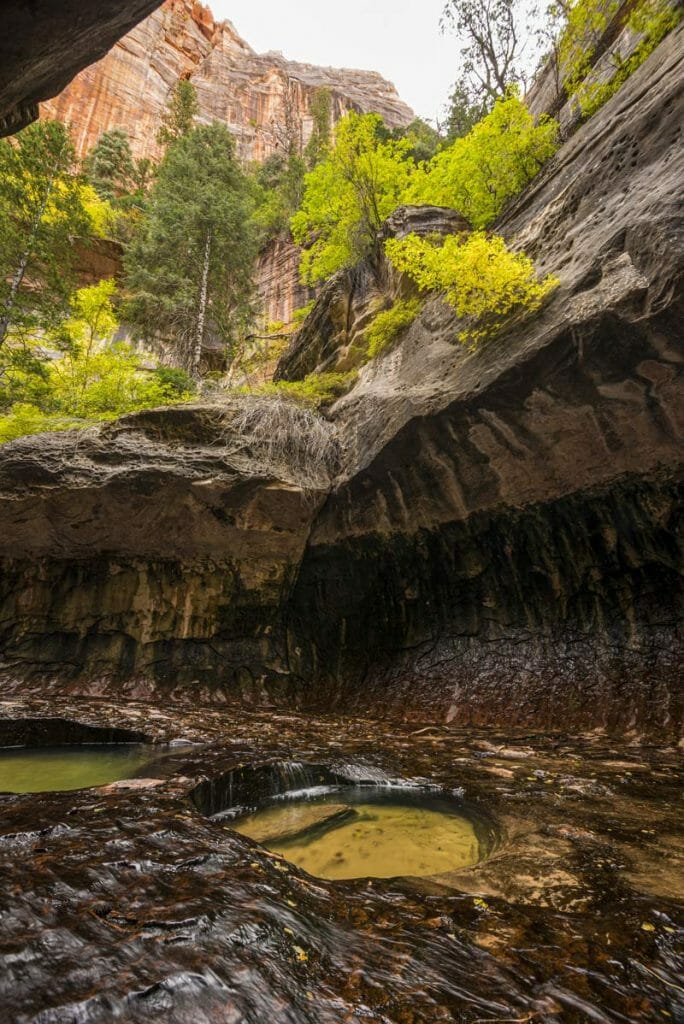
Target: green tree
column 180, row 115
column 349, row 195
column 109, row 166
column 425, row 140
column 480, row 172
column 143, row 174
column 464, row 110
column 321, row 135
column 189, row 268
column 278, row 187
column 94, row 379
column 41, row 211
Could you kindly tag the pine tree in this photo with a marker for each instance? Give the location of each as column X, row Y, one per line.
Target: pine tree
column 189, row 269
column 41, row 211
column 109, row 165
column 180, row 115
column 321, row 135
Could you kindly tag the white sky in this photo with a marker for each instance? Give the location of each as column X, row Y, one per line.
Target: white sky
column 399, row 38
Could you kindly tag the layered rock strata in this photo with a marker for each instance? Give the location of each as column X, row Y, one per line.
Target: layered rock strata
column 499, row 540
column 264, row 99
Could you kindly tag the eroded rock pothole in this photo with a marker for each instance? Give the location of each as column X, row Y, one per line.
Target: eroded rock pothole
column 350, row 822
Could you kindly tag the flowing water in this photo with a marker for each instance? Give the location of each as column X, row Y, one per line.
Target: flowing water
column 56, row 769
column 360, row 832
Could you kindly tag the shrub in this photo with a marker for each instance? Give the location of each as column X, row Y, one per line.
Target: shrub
column 300, row 315
column 24, row 418
column 176, row 382
column 653, row 19
column 314, row 391
column 389, row 324
column 481, row 171
column 483, row 280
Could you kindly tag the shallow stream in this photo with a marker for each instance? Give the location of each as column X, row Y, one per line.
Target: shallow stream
column 144, row 904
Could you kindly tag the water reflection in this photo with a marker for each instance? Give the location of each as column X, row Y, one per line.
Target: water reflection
column 54, row 769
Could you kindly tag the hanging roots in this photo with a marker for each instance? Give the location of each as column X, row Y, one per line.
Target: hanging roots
column 276, row 436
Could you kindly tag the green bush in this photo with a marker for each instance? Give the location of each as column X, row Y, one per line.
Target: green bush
column 389, row 324
column 653, row 19
column 300, row 315
column 314, row 391
column 177, row 383
column 483, row 280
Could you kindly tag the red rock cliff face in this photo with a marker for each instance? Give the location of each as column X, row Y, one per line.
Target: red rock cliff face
column 262, row 98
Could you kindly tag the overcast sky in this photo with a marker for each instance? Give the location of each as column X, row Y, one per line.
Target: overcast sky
column 399, row 38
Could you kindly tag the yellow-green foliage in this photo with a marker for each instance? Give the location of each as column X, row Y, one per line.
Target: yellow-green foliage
column 92, row 380
column 480, row 172
column 586, row 23
column 348, row 196
column 483, row 280
column 104, row 219
column 24, row 418
column 388, row 325
column 300, row 315
column 315, row 390
column 652, row 19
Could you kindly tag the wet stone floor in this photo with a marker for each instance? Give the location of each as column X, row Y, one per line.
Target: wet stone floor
column 127, row 903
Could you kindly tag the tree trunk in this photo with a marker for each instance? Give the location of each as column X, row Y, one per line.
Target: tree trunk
column 201, row 312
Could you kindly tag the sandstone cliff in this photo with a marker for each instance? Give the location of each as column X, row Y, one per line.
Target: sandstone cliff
column 264, row 99
column 498, row 542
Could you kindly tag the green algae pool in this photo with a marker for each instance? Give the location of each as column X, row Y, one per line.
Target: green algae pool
column 357, row 833
column 56, row 769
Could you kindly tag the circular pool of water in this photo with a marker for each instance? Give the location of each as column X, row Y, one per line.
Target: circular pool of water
column 63, row 768
column 369, row 832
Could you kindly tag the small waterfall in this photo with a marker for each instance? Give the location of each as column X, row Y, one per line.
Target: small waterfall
column 244, row 789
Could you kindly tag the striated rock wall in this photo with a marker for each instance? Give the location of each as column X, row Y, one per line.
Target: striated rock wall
column 278, row 285
column 264, row 99
column 139, row 555
column 500, row 542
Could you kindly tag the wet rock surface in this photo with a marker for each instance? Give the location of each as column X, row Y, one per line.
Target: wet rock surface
column 131, row 904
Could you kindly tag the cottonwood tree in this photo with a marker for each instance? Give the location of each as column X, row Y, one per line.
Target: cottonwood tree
column 349, row 195
column 189, row 268
column 41, row 213
column 498, row 47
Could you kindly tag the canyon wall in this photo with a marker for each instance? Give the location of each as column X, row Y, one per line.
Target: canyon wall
column 497, row 539
column 263, row 99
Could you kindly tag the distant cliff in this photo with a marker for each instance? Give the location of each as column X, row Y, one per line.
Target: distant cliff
column 262, row 98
